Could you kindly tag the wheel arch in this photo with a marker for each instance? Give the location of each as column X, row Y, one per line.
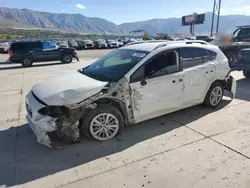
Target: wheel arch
column 120, row 105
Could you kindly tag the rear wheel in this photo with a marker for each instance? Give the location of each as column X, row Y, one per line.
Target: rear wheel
column 26, row 61
column 214, row 95
column 246, row 74
column 67, row 58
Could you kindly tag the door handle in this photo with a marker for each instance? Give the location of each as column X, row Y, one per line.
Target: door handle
column 180, row 80
column 173, row 81
column 206, row 72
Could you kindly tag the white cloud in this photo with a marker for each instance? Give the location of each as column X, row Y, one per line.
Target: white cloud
column 242, row 10
column 240, row 1
column 80, row 6
column 62, row 10
column 223, row 11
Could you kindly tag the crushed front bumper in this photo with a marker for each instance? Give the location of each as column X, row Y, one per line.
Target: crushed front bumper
column 41, row 130
column 40, row 124
column 48, row 130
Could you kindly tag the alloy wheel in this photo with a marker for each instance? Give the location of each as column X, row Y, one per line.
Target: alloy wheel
column 216, row 96
column 104, row 126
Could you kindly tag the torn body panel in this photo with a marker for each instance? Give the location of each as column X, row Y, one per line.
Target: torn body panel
column 65, row 118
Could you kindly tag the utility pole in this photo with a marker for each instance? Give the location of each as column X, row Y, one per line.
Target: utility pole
column 218, row 19
column 216, row 10
column 212, row 26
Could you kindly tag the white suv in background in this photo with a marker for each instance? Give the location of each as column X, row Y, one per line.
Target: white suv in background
column 127, row 86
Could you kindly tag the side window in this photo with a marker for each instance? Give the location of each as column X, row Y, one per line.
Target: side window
column 36, row 45
column 245, row 33
column 205, row 56
column 160, row 65
column 212, row 54
column 48, row 45
column 190, row 57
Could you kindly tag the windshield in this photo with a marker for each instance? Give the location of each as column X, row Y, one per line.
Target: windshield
column 113, row 66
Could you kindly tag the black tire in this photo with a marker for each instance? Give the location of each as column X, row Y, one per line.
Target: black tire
column 67, row 58
column 246, row 74
column 26, row 61
column 231, row 59
column 103, row 108
column 207, row 102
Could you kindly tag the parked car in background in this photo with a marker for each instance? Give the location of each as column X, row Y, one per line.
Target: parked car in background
column 85, row 44
column 4, row 47
column 113, row 44
column 129, row 85
column 243, row 62
column 73, row 44
column 120, row 43
column 27, row 52
column 100, row 43
column 62, row 44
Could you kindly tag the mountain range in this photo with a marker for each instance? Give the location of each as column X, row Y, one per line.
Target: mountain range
column 25, row 18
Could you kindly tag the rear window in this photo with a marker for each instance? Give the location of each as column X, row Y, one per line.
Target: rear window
column 245, row 55
column 212, row 54
column 26, row 45
column 190, row 57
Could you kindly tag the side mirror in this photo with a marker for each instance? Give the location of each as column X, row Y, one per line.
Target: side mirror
column 143, row 82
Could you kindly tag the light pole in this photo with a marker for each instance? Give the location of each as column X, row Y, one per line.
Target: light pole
column 216, row 9
column 218, row 19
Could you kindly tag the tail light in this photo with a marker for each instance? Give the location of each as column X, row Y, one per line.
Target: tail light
column 239, row 58
column 10, row 53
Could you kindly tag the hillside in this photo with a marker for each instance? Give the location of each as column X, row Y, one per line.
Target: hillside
column 24, row 18
column 67, row 22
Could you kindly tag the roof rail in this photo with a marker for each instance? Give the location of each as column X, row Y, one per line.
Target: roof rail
column 145, row 41
column 243, row 26
column 181, row 41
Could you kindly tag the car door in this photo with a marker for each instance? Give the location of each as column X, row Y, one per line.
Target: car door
column 51, row 51
column 156, row 87
column 36, row 49
column 198, row 74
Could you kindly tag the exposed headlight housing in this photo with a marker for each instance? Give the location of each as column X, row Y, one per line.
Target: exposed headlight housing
column 53, row 111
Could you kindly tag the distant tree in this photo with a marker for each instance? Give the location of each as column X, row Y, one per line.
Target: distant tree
column 146, row 36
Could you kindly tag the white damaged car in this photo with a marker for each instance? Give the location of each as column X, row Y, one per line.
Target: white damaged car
column 129, row 85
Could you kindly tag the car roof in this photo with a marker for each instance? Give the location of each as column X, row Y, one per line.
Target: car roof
column 246, row 49
column 150, row 46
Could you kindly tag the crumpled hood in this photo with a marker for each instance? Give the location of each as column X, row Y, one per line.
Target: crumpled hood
column 67, row 89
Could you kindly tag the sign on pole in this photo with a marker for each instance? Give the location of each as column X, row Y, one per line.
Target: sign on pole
column 193, row 19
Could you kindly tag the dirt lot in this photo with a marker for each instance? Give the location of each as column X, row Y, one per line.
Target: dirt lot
column 195, row 147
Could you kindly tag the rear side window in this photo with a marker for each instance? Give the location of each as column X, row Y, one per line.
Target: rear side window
column 36, row 45
column 205, row 56
column 18, row 46
column 212, row 54
column 190, row 57
column 25, row 45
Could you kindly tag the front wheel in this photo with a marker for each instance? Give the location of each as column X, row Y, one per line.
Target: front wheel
column 67, row 58
column 103, row 123
column 246, row 74
column 214, row 95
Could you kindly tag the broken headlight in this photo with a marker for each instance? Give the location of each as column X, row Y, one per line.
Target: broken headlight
column 53, row 111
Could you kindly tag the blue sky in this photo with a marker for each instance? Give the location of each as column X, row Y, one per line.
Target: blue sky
column 130, row 10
